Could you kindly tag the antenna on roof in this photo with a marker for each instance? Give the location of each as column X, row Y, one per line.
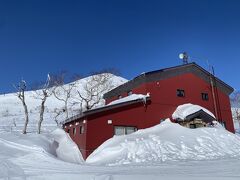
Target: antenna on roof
column 184, row 56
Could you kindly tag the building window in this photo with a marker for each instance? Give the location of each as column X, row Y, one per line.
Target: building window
column 74, row 131
column 124, row 130
column 180, row 93
column 68, row 131
column 205, row 96
column 192, row 126
column 130, row 93
column 81, row 129
column 119, row 96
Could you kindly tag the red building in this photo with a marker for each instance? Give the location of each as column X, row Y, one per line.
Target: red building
column 168, row 88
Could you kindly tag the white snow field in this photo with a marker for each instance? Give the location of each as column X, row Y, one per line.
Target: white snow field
column 210, row 153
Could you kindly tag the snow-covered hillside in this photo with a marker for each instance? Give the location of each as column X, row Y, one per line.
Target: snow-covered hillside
column 12, row 113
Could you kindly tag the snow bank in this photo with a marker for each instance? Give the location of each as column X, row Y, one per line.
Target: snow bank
column 67, row 150
column 167, row 142
column 184, row 110
column 131, row 97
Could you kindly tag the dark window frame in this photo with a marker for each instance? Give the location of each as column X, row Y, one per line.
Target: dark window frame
column 74, row 131
column 125, row 129
column 205, row 97
column 129, row 93
column 192, row 126
column 181, row 93
column 81, row 129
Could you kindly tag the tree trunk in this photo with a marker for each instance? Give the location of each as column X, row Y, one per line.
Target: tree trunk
column 41, row 114
column 26, row 117
column 66, row 109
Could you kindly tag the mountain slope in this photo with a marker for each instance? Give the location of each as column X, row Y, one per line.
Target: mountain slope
column 12, row 113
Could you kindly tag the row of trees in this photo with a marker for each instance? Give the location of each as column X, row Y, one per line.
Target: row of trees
column 86, row 95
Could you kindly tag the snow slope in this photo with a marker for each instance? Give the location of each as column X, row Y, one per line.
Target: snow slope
column 167, row 142
column 11, row 110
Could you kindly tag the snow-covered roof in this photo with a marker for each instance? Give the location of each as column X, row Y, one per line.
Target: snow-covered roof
column 131, row 97
column 185, row 110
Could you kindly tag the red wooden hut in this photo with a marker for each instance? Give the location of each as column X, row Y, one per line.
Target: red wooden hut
column 168, row 88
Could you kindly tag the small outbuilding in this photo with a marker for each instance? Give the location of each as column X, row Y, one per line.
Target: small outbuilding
column 193, row 116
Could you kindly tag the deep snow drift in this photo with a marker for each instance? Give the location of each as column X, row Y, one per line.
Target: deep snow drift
column 66, row 149
column 33, row 156
column 28, row 157
column 167, row 142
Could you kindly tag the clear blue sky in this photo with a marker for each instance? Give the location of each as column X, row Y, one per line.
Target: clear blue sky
column 134, row 36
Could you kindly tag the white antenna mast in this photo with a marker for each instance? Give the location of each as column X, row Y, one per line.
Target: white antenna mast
column 184, row 56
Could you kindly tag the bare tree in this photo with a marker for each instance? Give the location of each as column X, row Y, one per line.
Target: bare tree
column 93, row 89
column 75, row 77
column 21, row 88
column 62, row 91
column 58, row 79
column 56, row 113
column 235, row 98
column 43, row 92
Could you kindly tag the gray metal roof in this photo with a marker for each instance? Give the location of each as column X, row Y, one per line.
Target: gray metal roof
column 199, row 114
column 102, row 109
column 168, row 73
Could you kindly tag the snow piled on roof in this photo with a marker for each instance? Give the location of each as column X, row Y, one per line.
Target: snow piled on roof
column 131, row 97
column 167, row 142
column 185, row 110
